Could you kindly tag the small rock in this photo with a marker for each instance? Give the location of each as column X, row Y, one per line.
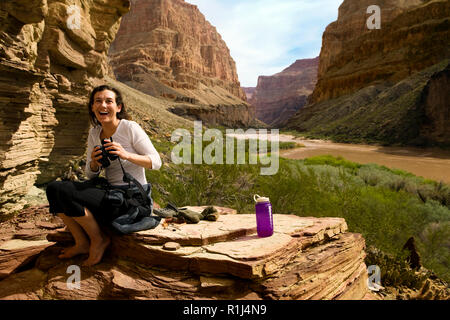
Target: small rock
column 49, row 225
column 171, row 246
column 216, row 283
column 26, row 225
column 30, row 234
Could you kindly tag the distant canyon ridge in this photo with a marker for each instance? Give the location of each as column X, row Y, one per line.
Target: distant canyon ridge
column 278, row 97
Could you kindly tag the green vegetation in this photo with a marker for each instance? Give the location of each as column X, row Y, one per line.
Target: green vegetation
column 395, row 271
column 386, row 206
column 290, row 145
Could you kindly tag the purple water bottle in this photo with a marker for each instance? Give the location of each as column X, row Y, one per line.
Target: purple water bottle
column 264, row 220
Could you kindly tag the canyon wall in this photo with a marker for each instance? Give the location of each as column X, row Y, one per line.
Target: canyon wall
column 168, row 49
column 278, row 97
column 50, row 57
column 413, row 36
column 365, row 72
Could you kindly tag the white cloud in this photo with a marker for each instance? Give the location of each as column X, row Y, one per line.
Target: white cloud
column 266, row 36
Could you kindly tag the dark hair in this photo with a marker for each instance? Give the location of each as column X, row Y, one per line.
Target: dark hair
column 119, row 101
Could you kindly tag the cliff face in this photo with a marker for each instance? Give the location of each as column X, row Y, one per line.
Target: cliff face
column 168, row 49
column 360, row 95
column 46, row 74
column 278, row 97
column 414, row 35
column 415, row 111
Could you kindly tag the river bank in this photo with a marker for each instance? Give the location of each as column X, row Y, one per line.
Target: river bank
column 429, row 163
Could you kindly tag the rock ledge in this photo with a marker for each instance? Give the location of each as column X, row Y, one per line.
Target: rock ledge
column 306, row 258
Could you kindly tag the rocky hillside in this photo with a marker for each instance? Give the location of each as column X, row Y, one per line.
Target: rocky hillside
column 47, row 68
column 167, row 49
column 414, row 35
column 278, row 97
column 414, row 111
column 358, row 65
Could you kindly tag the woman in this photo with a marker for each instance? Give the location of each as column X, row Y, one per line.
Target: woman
column 79, row 205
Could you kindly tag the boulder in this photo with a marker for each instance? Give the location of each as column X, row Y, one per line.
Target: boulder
column 306, row 258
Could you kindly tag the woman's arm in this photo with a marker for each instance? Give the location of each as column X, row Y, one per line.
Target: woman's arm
column 143, row 161
column 140, row 160
column 147, row 156
column 92, row 169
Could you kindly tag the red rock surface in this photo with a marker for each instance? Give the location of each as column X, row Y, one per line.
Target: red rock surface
column 387, row 85
column 306, row 258
column 278, row 97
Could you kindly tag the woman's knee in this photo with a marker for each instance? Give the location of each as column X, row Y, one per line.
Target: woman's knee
column 52, row 188
column 63, row 190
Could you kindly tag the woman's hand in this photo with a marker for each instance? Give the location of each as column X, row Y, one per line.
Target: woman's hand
column 95, row 156
column 116, row 148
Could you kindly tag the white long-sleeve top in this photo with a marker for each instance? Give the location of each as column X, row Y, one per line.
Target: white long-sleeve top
column 133, row 139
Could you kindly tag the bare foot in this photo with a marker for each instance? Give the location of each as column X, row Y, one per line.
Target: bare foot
column 96, row 251
column 71, row 252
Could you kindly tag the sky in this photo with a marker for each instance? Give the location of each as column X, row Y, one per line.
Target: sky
column 267, row 36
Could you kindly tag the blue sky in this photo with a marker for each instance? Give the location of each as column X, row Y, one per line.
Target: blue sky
column 266, row 36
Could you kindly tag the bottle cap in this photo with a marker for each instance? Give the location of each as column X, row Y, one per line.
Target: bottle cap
column 259, row 199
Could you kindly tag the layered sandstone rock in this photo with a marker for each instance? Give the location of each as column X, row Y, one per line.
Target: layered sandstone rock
column 47, row 67
column 382, row 85
column 168, row 49
column 278, row 97
column 306, row 258
column 414, row 35
column 412, row 112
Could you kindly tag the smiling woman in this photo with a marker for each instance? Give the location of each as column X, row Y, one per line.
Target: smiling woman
column 105, row 99
column 81, row 205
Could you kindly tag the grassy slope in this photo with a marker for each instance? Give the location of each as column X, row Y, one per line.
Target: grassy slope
column 145, row 108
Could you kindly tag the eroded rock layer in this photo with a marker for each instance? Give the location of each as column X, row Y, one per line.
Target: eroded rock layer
column 306, row 258
column 278, row 97
column 414, row 111
column 168, row 49
column 50, row 55
column 387, row 85
column 413, row 36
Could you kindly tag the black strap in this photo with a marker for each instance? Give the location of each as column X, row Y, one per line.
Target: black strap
column 128, row 178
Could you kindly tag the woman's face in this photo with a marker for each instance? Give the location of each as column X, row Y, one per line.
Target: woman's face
column 105, row 107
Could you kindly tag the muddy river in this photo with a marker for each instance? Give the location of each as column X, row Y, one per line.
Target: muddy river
column 425, row 162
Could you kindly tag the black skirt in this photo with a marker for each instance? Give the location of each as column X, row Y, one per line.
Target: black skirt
column 71, row 198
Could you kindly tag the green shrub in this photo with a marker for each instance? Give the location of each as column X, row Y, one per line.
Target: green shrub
column 332, row 161
column 395, row 271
